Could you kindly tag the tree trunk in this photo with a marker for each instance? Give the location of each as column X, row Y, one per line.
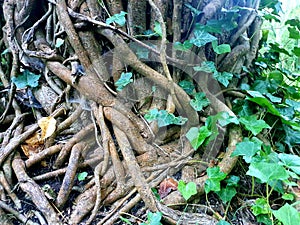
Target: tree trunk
column 82, row 50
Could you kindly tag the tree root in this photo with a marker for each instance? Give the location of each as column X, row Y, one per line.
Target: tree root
column 123, row 157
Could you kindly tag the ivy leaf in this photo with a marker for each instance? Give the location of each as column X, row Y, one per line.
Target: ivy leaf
column 296, row 51
column 290, row 161
column 153, row 218
column 59, row 42
column 294, row 104
column 26, row 79
column 294, row 33
column 265, row 103
column 232, row 181
column 215, row 173
column 215, row 177
column 211, row 123
column 200, row 101
column 211, row 26
column 127, row 221
column 292, row 137
column 164, row 118
column 117, row 18
column 267, row 172
column 273, row 98
column 124, row 80
column 224, row 119
column 220, row 49
column 82, row 176
column 223, row 222
column 276, row 76
column 151, row 115
column 185, row 46
column 293, row 23
column 254, row 125
column 7, row 50
column 260, row 207
column 201, row 38
column 226, row 194
column 197, row 136
column 187, row 86
column 287, row 214
column 157, row 28
column 187, row 190
column 206, row 66
column 288, row 197
column 247, row 148
column 223, row 77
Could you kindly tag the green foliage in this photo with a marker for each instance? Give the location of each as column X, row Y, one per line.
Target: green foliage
column 187, row 190
column 153, row 218
column 209, row 67
column 223, row 119
column 59, row 42
column 201, row 38
column 6, row 51
column 261, row 206
column 124, row 80
column 187, row 86
column 288, row 197
column 117, row 18
column 157, row 29
column 223, row 222
column 292, row 137
column 252, row 124
column 185, row 46
column 197, row 136
column 82, row 176
column 272, row 169
column 215, row 176
column 267, row 172
column 223, row 77
column 26, row 79
column 156, row 194
column 272, row 4
column 287, row 214
column 220, row 49
column 127, row 221
column 164, row 118
column 289, row 161
column 294, row 33
column 247, row 148
column 226, row 194
column 227, row 23
column 200, row 101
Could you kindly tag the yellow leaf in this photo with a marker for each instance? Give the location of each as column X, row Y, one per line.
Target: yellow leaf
column 48, row 126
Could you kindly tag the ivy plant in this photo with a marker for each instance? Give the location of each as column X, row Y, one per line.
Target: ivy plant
column 125, row 79
column 164, row 118
column 187, row 190
column 117, row 18
column 26, row 79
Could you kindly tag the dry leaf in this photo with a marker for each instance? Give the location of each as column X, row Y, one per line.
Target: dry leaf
column 48, row 126
column 30, row 150
column 33, row 145
column 35, row 139
column 166, row 186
